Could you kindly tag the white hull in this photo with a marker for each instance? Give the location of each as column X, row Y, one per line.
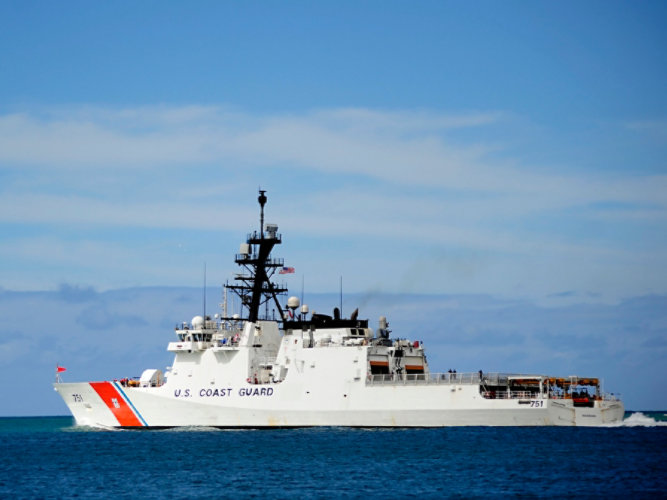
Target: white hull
column 359, row 406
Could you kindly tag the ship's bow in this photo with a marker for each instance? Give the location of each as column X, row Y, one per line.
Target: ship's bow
column 87, row 406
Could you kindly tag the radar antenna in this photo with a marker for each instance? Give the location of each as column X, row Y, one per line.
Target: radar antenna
column 254, row 287
column 262, row 201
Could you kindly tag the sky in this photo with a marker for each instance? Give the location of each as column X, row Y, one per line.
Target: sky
column 508, row 153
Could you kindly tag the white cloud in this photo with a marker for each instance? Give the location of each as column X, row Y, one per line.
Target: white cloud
column 398, row 147
column 653, row 128
column 386, row 176
column 402, row 148
column 178, row 211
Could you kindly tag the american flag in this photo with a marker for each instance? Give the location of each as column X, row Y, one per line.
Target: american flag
column 286, row 270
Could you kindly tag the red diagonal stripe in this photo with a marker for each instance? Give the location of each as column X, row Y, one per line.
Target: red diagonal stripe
column 120, row 410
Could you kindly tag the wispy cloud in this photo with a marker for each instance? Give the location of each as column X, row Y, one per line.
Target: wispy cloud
column 400, row 148
column 353, row 174
column 653, row 128
column 387, row 145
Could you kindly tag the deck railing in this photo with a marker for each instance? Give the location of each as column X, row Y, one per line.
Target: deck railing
column 491, row 379
column 424, row 378
column 487, row 379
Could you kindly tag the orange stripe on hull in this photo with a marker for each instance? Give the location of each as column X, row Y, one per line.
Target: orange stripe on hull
column 116, row 404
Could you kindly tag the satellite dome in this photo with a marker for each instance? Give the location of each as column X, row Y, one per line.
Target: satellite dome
column 197, row 322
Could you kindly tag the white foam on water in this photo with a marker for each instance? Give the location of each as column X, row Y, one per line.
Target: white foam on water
column 638, row 419
column 192, row 428
column 90, row 428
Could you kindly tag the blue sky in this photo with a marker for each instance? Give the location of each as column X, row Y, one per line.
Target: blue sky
column 513, row 150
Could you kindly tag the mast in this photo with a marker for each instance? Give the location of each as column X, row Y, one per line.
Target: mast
column 254, row 286
column 262, row 201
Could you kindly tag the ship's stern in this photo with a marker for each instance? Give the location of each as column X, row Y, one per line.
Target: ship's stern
column 601, row 413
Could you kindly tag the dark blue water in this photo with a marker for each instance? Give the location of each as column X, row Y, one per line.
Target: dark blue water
column 50, row 458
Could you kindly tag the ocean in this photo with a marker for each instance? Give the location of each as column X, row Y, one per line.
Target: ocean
column 50, row 457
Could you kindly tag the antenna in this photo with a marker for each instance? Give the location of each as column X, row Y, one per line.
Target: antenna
column 341, row 296
column 224, row 302
column 203, row 298
column 262, row 201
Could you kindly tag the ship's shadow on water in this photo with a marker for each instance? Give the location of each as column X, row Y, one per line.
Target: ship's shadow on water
column 54, row 459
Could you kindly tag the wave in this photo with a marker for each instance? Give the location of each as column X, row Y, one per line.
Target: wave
column 639, row 419
column 192, row 428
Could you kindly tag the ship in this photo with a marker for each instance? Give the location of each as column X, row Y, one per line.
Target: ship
column 275, row 364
